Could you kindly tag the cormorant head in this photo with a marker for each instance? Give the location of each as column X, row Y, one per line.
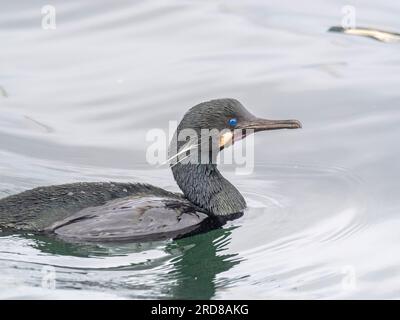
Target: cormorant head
column 211, row 126
column 204, row 130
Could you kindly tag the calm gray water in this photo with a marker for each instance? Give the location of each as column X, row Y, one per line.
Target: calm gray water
column 323, row 218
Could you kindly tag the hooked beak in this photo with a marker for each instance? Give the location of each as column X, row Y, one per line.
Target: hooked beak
column 265, row 124
column 244, row 128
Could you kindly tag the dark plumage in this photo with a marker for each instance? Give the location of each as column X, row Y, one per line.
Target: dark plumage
column 139, row 212
column 38, row 208
column 204, row 186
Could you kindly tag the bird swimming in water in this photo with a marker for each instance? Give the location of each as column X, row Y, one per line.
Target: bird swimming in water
column 110, row 211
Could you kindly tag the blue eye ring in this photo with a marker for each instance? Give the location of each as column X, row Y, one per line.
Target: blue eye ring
column 232, row 122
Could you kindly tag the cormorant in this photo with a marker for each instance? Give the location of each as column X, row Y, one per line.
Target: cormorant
column 110, row 211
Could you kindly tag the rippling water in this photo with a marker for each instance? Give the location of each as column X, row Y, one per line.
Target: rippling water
column 323, row 218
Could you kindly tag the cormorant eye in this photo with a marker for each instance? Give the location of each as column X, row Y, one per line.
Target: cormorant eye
column 232, row 122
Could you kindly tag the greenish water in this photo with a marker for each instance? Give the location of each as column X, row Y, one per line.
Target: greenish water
column 187, row 269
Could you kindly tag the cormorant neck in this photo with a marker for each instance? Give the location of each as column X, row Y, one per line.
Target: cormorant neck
column 203, row 185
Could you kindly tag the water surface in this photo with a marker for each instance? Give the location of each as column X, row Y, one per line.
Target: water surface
column 323, row 218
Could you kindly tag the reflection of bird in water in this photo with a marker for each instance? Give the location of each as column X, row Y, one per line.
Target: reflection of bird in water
column 141, row 212
column 196, row 269
column 380, row 35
